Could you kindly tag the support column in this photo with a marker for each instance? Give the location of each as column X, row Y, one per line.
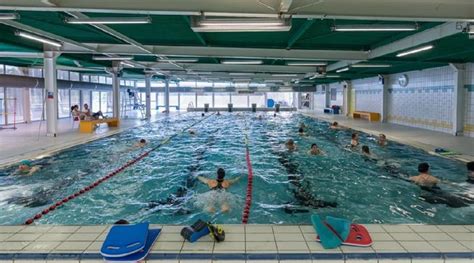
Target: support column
column 327, row 96
column 265, row 97
column 458, row 99
column 347, row 100
column 116, row 72
column 167, row 95
column 385, row 82
column 213, row 100
column 26, row 105
column 148, row 95
column 50, row 84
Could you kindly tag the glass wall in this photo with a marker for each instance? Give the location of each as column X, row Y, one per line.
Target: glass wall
column 36, row 104
column 14, row 104
column 221, row 99
column 75, row 98
column 86, row 98
column 174, row 101
column 95, row 101
column 284, row 98
column 188, row 100
column 257, row 98
column 203, row 99
column 239, row 100
column 63, row 103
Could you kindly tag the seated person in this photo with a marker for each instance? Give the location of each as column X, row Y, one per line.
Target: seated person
column 140, row 143
column 424, row 179
column 315, row 150
column 88, row 115
column 382, row 140
column 470, row 170
column 290, row 145
column 354, row 140
column 219, row 185
column 27, row 168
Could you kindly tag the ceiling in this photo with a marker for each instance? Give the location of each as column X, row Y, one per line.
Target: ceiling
column 441, row 23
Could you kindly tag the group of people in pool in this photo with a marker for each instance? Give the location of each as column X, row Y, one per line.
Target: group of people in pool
column 86, row 113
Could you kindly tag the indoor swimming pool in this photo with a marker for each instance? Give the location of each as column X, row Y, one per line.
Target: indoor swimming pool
column 287, row 187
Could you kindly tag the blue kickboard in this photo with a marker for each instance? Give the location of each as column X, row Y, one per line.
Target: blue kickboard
column 124, row 240
column 327, row 237
column 152, row 237
column 340, row 225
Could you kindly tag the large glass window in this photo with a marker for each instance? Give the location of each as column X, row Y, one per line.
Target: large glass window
column 239, row 100
column 174, row 102
column 153, row 100
column 2, row 69
column 74, row 76
column 102, row 80
column 188, row 100
column 203, row 99
column 86, row 98
column 12, row 70
column 95, row 101
column 36, row 104
column 258, row 99
column 94, row 79
column 75, row 98
column 2, row 106
column 86, row 78
column 63, row 74
column 35, row 72
column 221, row 99
column 63, row 103
column 106, row 99
column 284, row 98
column 14, row 101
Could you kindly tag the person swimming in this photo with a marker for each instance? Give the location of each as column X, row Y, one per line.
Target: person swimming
column 290, row 145
column 202, row 114
column 470, row 172
column 27, row 168
column 382, row 140
column 354, row 140
column 140, row 144
column 424, row 179
column 220, row 185
column 301, row 132
column 315, row 150
column 192, row 132
column 335, row 126
column 302, row 125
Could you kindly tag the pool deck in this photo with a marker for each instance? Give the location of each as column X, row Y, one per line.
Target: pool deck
column 245, row 243
column 29, row 141
column 420, row 138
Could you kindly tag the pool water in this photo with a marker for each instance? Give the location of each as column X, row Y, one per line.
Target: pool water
column 162, row 188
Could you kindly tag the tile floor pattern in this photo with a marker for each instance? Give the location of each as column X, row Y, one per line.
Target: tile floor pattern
column 249, row 241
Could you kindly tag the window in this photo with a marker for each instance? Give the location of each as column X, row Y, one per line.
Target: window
column 86, row 98
column 239, row 100
column 12, row 70
column 187, row 84
column 122, row 82
column 14, row 101
column 36, row 104
column 35, row 72
column 161, row 99
column 204, row 98
column 174, row 101
column 284, row 98
column 106, row 105
column 95, row 101
column 63, row 103
column 63, row 74
column 153, row 100
column 188, row 100
column 86, row 78
column 74, row 76
column 75, row 99
column 258, row 99
column 109, row 80
column 2, row 69
column 221, row 100
column 94, row 79
column 102, row 80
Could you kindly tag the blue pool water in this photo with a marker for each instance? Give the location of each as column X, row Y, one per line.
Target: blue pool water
column 365, row 191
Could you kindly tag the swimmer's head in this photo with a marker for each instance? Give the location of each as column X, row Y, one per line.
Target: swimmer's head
column 382, row 136
column 314, row 146
column 423, row 167
column 25, row 163
column 354, row 136
column 301, row 130
column 122, row 222
column 290, row 142
column 220, row 174
column 365, row 149
column 470, row 166
column 335, row 123
column 202, row 114
column 142, row 141
column 274, row 114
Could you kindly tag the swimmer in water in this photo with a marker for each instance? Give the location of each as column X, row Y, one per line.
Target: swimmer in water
column 192, row 132
column 220, row 185
column 366, row 150
column 260, row 117
column 354, row 140
column 140, row 143
column 335, row 126
column 218, row 113
column 302, row 125
column 301, row 132
column 290, row 145
column 470, row 172
column 382, row 140
column 26, row 168
column 315, row 150
column 202, row 114
column 424, row 179
column 274, row 114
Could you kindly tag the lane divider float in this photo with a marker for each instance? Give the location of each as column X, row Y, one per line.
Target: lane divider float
column 248, row 198
column 91, row 186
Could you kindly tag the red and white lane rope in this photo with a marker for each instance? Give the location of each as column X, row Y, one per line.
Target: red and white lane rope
column 88, row 188
column 248, row 198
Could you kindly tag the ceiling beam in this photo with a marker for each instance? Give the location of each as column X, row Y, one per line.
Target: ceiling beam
column 228, row 52
column 400, row 10
column 285, row 5
column 299, row 33
column 198, row 36
column 7, row 54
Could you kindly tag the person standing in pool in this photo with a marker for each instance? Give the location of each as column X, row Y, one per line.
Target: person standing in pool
column 27, row 168
column 382, row 140
column 424, row 179
column 470, row 170
column 354, row 140
column 315, row 150
column 219, row 185
column 290, row 145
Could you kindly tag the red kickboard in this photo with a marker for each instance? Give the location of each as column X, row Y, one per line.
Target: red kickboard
column 358, row 237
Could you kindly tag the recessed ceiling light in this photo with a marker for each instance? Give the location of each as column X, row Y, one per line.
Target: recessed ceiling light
column 284, row 75
column 9, row 16
column 241, row 74
column 199, row 24
column 179, row 60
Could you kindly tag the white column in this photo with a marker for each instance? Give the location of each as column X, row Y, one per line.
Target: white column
column 116, row 70
column 327, row 96
column 179, row 100
column 26, row 105
column 167, row 95
column 213, row 100
column 458, row 99
column 50, row 84
column 148, row 94
column 347, row 97
column 195, row 99
column 385, row 86
column 265, row 97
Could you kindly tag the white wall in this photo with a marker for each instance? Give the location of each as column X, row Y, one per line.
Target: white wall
column 368, row 94
column 339, row 97
column 469, row 101
column 319, row 99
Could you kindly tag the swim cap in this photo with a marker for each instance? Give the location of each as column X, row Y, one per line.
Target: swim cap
column 26, row 162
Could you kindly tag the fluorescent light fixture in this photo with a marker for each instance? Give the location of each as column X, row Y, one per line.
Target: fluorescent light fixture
column 103, row 58
column 242, row 62
column 284, row 75
column 109, row 20
column 320, row 76
column 371, row 66
column 272, row 80
column 375, row 27
column 413, row 51
column 200, row 24
column 241, row 74
column 203, row 72
column 306, row 63
column 342, row 69
column 242, row 80
column 179, row 60
column 127, row 64
column 9, row 16
column 38, row 38
column 333, row 76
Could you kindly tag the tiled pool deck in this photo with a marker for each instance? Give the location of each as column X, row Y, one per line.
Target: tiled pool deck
column 245, row 243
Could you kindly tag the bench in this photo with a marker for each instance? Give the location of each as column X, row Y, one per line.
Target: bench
column 89, row 126
column 371, row 116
